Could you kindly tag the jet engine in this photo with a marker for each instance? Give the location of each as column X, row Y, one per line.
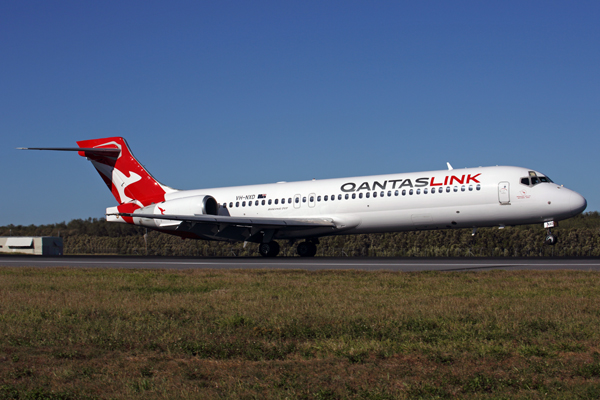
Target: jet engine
column 193, row 205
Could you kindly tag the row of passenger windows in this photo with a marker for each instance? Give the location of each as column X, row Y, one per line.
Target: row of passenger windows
column 347, row 196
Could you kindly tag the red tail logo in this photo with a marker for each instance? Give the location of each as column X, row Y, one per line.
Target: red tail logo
column 126, row 178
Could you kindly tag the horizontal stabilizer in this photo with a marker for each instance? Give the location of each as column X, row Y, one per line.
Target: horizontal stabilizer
column 114, row 151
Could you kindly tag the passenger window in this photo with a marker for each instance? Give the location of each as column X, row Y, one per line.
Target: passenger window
column 410, row 192
column 478, row 186
column 374, row 194
column 297, row 199
column 425, row 191
column 432, row 190
column 325, row 198
column 230, row 205
column 249, row 204
column 289, row 200
column 339, row 196
column 389, row 193
column 243, row 204
column 447, row 189
column 276, row 201
column 418, row 191
column 470, row 188
column 346, row 196
column 353, row 195
column 237, row 203
column 304, row 199
column 360, row 195
column 318, row 198
column 404, row 192
column 525, row 181
column 462, row 188
column 382, row 193
column 312, row 198
column 456, row 188
column 263, row 202
column 368, row 194
column 396, row 193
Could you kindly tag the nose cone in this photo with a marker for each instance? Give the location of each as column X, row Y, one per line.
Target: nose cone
column 577, row 203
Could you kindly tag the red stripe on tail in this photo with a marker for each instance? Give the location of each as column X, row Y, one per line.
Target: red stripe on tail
column 126, row 178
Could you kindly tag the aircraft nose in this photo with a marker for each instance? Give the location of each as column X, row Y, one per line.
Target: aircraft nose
column 577, row 203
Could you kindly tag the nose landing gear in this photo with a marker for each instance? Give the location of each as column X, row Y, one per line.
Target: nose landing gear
column 550, row 239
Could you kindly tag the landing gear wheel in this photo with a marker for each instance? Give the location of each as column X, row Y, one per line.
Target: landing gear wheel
column 550, row 239
column 270, row 249
column 306, row 249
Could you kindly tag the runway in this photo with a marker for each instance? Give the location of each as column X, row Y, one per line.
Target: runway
column 309, row 264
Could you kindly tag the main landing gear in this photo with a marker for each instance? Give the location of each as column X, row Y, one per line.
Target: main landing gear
column 550, row 239
column 307, row 249
column 304, row 249
column 270, row 249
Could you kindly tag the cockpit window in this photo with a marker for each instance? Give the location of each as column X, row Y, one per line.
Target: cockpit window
column 535, row 179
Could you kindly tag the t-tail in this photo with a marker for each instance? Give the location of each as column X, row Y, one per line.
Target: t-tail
column 130, row 183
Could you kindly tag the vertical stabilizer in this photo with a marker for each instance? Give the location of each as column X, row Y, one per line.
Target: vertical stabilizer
column 126, row 178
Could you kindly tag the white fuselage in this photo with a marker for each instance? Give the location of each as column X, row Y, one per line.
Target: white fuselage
column 458, row 198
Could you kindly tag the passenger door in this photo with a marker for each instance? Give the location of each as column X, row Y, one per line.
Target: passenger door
column 504, row 193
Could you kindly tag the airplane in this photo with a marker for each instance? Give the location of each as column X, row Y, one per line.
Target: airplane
column 308, row 210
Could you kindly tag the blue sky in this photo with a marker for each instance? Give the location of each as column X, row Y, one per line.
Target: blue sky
column 225, row 93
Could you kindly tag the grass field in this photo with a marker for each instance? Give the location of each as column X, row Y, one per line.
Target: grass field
column 111, row 333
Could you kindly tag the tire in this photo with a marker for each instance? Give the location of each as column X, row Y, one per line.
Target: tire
column 306, row 249
column 270, row 249
column 550, row 239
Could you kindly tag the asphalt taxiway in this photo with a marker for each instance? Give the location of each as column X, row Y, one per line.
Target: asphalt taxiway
column 309, row 264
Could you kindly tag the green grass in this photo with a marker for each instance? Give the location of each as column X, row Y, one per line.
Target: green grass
column 111, row 333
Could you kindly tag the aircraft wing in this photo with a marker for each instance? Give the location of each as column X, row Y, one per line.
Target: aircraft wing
column 253, row 229
column 266, row 223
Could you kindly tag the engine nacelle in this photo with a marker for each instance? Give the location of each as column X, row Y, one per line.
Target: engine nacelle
column 193, row 205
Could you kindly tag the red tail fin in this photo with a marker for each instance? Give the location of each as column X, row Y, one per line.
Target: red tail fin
column 126, row 178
